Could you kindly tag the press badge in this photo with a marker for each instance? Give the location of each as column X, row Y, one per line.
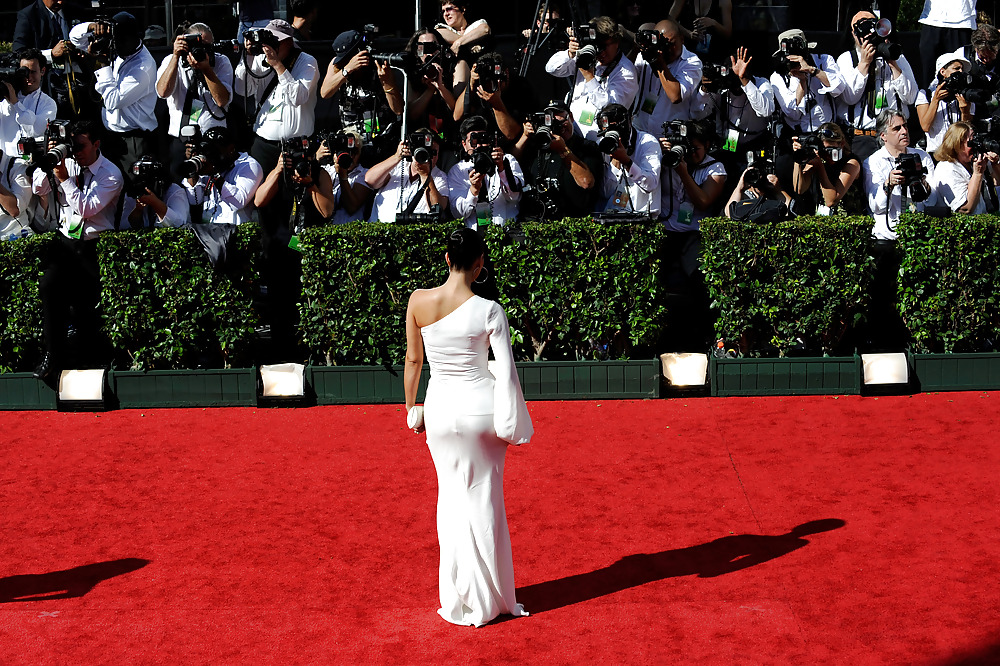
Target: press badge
column 587, row 115
column 732, row 138
column 74, row 225
column 648, row 104
column 293, row 243
column 880, row 100
column 685, row 212
column 197, row 107
column 823, row 210
column 483, row 213
column 621, row 198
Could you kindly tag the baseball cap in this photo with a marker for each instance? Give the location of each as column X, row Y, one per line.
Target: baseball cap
column 281, row 29
column 795, row 33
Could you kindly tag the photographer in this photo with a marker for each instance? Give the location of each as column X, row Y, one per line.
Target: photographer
column 825, row 169
column 151, row 200
column 741, row 106
column 409, row 181
column 631, row 163
column 220, row 181
column 693, row 180
column 668, row 77
column 564, row 166
column 804, row 82
column 24, row 113
column 197, row 85
column 493, row 93
column 940, row 106
column 894, row 183
column 602, row 73
column 431, row 100
column 279, row 82
column 340, row 155
column 128, row 87
column 371, row 99
column 984, row 81
column 876, row 76
column 296, row 195
column 83, row 189
column 965, row 179
column 485, row 187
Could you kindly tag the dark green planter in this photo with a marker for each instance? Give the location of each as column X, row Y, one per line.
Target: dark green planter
column 785, row 376
column 186, row 388
column 957, row 372
column 590, row 380
column 360, row 384
column 20, row 390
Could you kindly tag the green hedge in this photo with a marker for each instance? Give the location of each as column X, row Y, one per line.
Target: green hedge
column 21, row 328
column 949, row 294
column 776, row 285
column 572, row 290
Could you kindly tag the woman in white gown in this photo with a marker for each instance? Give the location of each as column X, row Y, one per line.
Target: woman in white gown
column 470, row 417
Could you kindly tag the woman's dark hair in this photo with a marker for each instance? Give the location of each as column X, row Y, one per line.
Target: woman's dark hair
column 464, row 247
column 411, row 46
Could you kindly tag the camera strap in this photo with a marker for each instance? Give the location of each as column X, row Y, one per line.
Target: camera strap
column 273, row 82
column 415, row 200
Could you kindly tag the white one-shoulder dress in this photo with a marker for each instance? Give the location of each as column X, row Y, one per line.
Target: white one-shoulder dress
column 470, row 417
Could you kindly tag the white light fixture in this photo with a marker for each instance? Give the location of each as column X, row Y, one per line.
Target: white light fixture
column 283, row 380
column 889, row 368
column 83, row 388
column 685, row 369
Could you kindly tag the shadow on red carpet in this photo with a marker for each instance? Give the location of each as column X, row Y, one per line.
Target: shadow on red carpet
column 67, row 584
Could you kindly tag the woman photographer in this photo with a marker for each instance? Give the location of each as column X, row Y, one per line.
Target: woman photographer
column 822, row 176
column 938, row 107
column 965, row 182
column 431, row 98
column 694, row 184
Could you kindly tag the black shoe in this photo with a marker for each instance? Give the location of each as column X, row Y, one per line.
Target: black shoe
column 46, row 367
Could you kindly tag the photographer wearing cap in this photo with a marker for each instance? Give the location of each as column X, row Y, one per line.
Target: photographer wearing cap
column 945, row 26
column 197, row 84
column 669, row 75
column 24, row 113
column 804, row 82
column 82, row 191
column 941, row 105
column 876, row 76
column 485, row 187
column 151, row 200
column 340, row 155
column 565, row 167
column 220, row 181
column 409, row 182
column 984, row 81
column 631, row 179
column 128, row 87
column 279, row 84
column 601, row 71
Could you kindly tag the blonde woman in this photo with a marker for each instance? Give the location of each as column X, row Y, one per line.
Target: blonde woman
column 965, row 179
column 821, row 177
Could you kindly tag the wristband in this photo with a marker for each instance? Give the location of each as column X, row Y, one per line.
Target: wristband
column 565, row 153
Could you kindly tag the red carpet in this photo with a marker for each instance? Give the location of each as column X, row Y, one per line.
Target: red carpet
column 715, row 531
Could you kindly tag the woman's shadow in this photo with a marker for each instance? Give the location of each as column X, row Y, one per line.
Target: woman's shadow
column 722, row 556
column 67, row 584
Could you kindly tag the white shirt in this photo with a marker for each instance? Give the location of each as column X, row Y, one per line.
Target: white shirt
column 897, row 93
column 946, row 114
column 676, row 205
column 228, row 202
column 949, row 13
column 610, row 85
column 208, row 114
column 178, row 210
column 503, row 201
column 290, row 109
column 128, row 87
column 886, row 210
column 951, row 182
column 642, row 177
column 357, row 175
column 748, row 114
column 652, row 107
column 86, row 209
column 27, row 118
column 394, row 197
column 816, row 106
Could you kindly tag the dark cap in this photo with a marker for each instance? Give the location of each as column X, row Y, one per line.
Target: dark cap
column 345, row 46
column 558, row 105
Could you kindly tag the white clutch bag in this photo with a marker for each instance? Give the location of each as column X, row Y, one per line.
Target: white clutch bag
column 415, row 417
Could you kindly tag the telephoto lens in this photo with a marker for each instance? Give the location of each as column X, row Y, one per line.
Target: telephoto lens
column 609, row 141
column 194, row 166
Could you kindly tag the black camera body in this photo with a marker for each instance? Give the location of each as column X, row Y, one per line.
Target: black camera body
column 483, row 142
column 258, row 38
column 986, row 138
column 676, row 132
column 200, row 49
column 147, row 173
column 298, row 154
column 719, row 78
column 789, row 47
column 760, row 166
column 913, row 175
column 586, row 37
column 879, row 33
column 546, row 127
column 650, row 43
column 542, row 199
column 43, row 157
column 342, row 146
column 421, row 147
column 810, row 141
column 198, row 164
column 491, row 77
column 11, row 72
column 102, row 46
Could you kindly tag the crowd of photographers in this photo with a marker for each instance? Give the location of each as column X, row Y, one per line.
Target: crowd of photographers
column 672, row 122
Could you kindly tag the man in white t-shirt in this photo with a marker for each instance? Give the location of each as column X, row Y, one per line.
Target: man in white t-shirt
column 350, row 191
column 631, row 164
column 669, row 77
column 409, row 181
column 945, row 27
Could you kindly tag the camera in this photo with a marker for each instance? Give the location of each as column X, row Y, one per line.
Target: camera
column 482, row 143
column 975, row 89
column 985, row 138
column 42, row 157
column 491, row 76
column 421, row 147
column 913, row 175
column 11, row 72
column 298, row 155
column 650, row 43
column 541, row 200
column 200, row 49
column 402, row 60
column 258, row 38
column 198, row 164
column 586, row 37
column 614, row 126
column 676, row 132
column 789, row 47
column 546, row 126
column 879, row 33
column 147, row 173
column 761, row 165
column 30, row 148
column 813, row 141
column 101, row 45
column 343, row 147
column 719, row 78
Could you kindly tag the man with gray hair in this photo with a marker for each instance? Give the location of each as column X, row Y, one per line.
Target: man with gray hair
column 197, row 85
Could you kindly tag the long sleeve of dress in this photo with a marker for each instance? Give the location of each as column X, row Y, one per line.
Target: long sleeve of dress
column 510, row 413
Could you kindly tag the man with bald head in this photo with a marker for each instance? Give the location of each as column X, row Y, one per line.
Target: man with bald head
column 669, row 75
column 872, row 83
